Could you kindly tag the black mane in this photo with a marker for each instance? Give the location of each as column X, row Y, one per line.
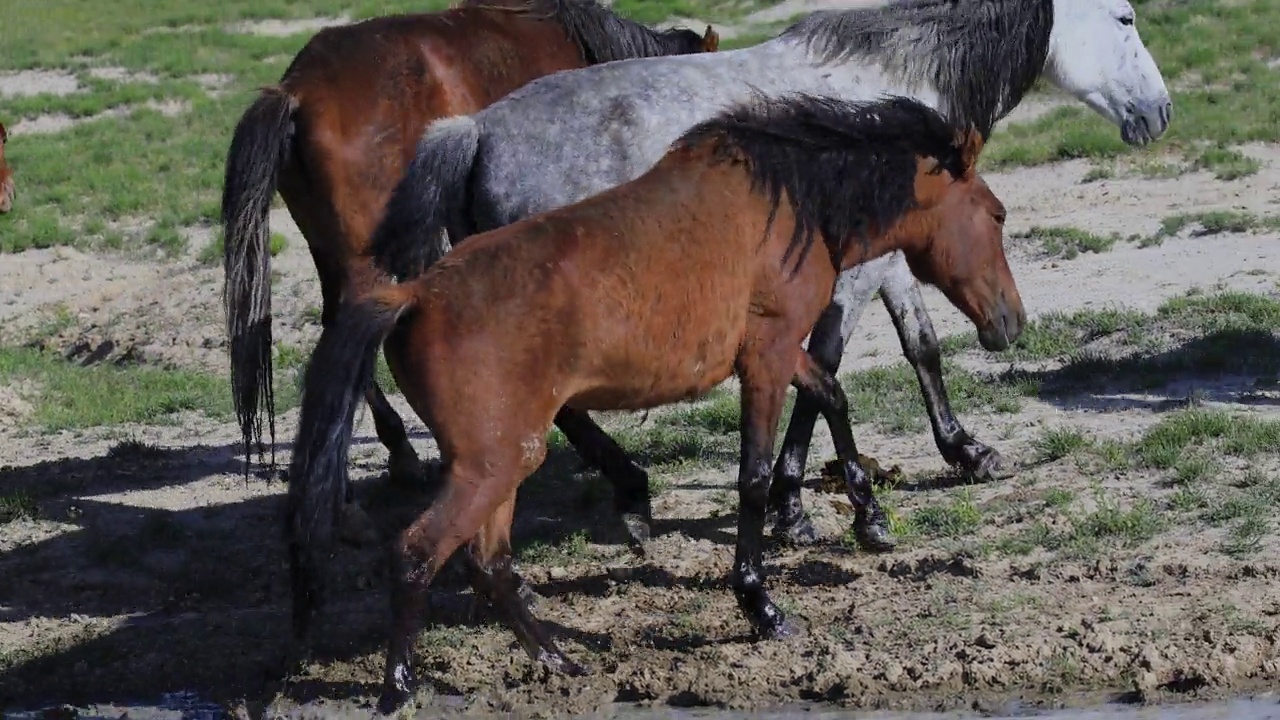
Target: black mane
column 605, row 36
column 847, row 168
column 982, row 55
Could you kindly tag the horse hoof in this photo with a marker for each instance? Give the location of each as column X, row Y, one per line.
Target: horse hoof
column 875, row 537
column 786, row 630
column 392, row 700
column 800, row 533
column 355, row 526
column 558, row 662
column 638, row 529
column 991, row 466
column 406, row 470
column 527, row 596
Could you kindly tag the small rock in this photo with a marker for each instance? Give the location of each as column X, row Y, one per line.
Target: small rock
column 558, row 573
column 985, row 641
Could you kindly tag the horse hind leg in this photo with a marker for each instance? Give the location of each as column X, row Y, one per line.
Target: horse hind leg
column 630, row 484
column 474, row 486
column 765, row 370
column 492, row 575
column 902, row 298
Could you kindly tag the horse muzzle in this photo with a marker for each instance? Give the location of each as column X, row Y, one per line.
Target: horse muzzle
column 1005, row 326
column 1146, row 122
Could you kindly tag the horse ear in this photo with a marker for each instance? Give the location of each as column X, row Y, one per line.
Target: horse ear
column 969, row 142
column 710, row 40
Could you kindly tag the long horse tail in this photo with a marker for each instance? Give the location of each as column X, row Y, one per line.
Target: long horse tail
column 259, row 148
column 340, row 370
column 428, row 200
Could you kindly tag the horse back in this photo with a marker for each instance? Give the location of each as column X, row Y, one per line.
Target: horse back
column 366, row 92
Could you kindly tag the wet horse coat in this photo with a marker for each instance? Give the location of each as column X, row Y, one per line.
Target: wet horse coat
column 338, row 130
column 972, row 59
column 715, row 262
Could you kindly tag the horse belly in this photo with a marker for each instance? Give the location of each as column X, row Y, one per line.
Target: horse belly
column 663, row 358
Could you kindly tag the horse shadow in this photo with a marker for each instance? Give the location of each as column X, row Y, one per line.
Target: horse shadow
column 197, row 599
column 1225, row 366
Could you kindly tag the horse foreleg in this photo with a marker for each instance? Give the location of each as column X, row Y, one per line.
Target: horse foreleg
column 821, row 387
column 764, row 384
column 827, row 342
column 905, row 304
column 630, row 483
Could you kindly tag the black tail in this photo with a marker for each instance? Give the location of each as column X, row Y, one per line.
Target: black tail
column 428, row 200
column 259, row 148
column 340, row 370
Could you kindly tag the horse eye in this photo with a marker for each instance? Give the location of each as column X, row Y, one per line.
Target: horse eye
column 1126, row 20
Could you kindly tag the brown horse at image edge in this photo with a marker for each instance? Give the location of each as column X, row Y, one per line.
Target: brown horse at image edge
column 8, row 191
column 337, row 131
column 650, row 293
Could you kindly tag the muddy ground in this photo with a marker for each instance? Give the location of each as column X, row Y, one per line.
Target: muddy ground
column 137, row 560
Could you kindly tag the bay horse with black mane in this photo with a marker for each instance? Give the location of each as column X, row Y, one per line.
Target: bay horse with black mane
column 650, row 293
column 338, row 129
column 7, row 189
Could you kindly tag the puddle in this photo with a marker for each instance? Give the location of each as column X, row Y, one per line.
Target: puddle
column 188, row 706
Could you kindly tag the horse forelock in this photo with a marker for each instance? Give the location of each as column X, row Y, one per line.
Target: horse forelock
column 847, row 169
column 981, row 56
column 604, row 36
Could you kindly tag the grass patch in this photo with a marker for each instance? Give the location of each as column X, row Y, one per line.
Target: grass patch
column 889, row 397
column 1067, row 242
column 573, row 547
column 1230, row 332
column 1059, row 443
column 71, row 396
column 1165, row 444
column 18, row 505
column 1226, row 163
column 1213, row 222
column 957, row 517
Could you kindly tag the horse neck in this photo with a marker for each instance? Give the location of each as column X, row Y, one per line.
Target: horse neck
column 605, row 36
column 977, row 80
column 909, row 233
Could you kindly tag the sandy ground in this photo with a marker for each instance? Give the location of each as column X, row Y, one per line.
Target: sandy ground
column 154, row 567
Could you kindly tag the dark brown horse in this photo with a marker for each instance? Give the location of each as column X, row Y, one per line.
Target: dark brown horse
column 7, row 189
column 338, row 129
column 650, row 293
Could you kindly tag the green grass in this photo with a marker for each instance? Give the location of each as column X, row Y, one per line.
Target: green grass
column 889, row 397
column 68, row 396
column 1197, row 333
column 18, row 505
column 1067, row 242
column 1059, row 443
column 1217, row 53
column 958, row 517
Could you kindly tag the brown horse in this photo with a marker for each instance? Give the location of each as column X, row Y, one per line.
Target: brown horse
column 7, row 190
column 650, row 293
column 338, row 129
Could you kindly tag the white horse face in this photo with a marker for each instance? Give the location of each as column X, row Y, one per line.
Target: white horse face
column 1096, row 55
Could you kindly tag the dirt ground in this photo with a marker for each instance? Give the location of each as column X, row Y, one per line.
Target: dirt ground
column 153, row 566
